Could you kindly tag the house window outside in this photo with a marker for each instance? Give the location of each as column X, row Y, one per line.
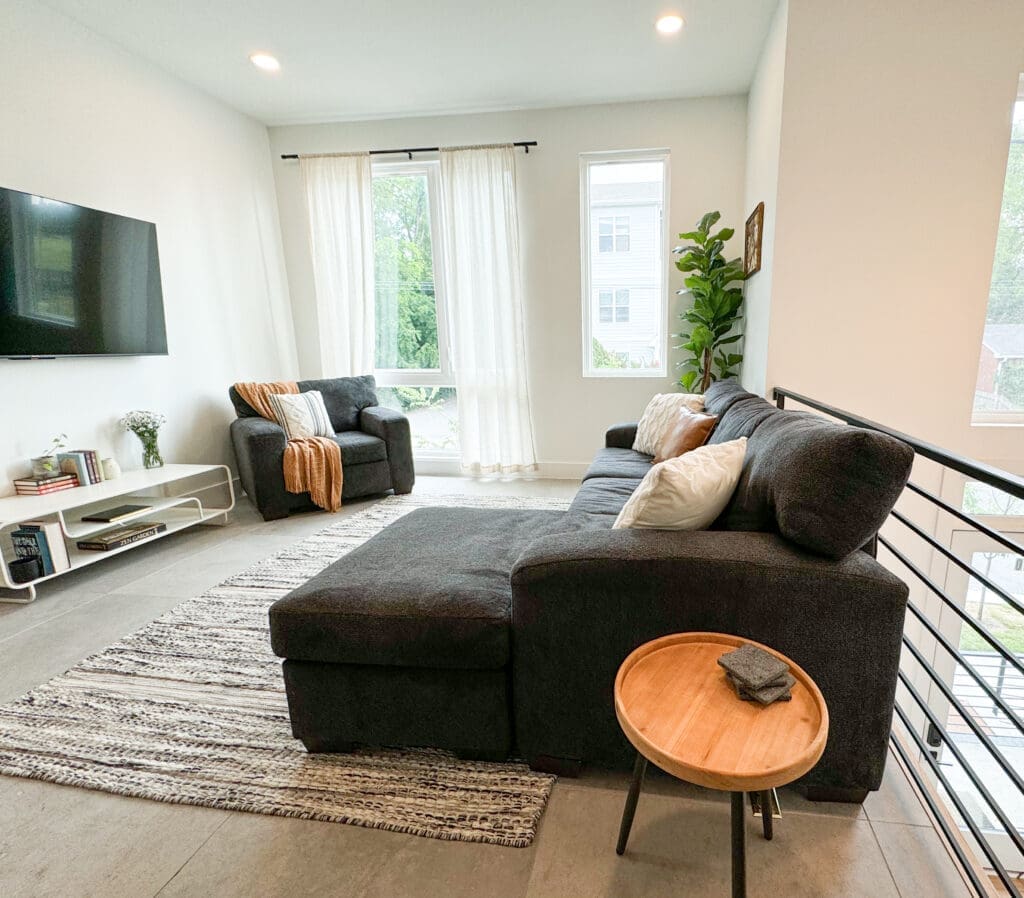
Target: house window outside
column 613, row 306
column 413, row 365
column 613, row 234
column 999, row 394
column 623, row 199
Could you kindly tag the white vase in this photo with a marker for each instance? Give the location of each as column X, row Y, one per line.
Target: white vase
column 111, row 469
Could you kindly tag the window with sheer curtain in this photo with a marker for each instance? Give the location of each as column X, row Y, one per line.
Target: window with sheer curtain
column 999, row 395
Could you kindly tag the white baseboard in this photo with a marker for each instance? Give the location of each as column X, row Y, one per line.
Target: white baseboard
column 438, row 467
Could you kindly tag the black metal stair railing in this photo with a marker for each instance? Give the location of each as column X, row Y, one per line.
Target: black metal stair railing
column 918, row 729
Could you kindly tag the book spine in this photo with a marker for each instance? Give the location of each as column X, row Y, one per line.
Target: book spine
column 27, row 491
column 33, row 544
column 100, row 546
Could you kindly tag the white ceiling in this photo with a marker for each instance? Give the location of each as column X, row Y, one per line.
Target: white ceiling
column 343, row 59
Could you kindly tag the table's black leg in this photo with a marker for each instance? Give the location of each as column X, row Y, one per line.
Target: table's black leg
column 639, row 769
column 739, row 853
column 767, row 812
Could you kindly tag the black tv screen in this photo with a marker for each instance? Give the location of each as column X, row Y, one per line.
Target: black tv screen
column 77, row 281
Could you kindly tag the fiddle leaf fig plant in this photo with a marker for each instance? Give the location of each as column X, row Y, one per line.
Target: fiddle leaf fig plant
column 714, row 284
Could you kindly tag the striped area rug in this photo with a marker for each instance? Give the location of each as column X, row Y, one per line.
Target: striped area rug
column 191, row 709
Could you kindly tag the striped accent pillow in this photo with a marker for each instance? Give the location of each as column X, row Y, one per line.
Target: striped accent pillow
column 302, row 415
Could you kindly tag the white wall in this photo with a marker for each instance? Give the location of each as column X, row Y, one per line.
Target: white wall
column 85, row 122
column 895, row 132
column 706, row 139
column 764, row 134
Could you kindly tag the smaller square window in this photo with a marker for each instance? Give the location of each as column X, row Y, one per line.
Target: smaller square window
column 613, row 234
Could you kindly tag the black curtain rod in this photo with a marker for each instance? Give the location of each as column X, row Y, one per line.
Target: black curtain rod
column 408, row 151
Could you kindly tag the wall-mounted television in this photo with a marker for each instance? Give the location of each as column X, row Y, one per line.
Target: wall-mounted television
column 75, row 281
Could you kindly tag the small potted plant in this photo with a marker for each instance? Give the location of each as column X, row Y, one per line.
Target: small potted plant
column 46, row 464
column 146, row 426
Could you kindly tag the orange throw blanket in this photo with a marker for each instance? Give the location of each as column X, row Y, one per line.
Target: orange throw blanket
column 310, row 466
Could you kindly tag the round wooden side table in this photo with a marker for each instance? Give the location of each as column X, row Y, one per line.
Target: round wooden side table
column 678, row 710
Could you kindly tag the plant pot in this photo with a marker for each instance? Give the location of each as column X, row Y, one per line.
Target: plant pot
column 25, row 570
column 45, row 466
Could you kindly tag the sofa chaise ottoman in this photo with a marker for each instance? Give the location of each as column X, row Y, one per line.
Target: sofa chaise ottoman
column 497, row 633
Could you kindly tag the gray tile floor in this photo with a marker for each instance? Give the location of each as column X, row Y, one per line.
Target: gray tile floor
column 62, row 841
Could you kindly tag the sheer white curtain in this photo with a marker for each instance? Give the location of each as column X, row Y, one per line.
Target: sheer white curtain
column 485, row 305
column 339, row 202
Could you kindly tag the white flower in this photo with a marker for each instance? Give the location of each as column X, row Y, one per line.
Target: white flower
column 143, row 421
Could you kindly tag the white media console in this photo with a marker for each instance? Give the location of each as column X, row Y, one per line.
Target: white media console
column 179, row 496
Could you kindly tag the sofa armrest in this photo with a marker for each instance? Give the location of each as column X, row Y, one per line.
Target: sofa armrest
column 620, row 436
column 393, row 428
column 259, row 447
column 582, row 601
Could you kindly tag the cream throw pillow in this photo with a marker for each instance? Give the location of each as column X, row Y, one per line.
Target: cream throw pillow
column 688, row 492
column 660, row 416
column 302, row 415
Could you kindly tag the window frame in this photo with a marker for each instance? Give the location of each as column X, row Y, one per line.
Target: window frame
column 443, row 375
column 588, row 291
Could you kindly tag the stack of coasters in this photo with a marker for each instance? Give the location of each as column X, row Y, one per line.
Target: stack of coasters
column 757, row 675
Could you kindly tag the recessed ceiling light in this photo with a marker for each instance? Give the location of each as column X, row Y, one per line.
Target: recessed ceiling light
column 265, row 61
column 669, row 24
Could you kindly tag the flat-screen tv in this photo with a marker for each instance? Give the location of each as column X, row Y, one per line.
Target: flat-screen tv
column 75, row 281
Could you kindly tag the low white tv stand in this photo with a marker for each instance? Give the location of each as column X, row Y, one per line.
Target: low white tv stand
column 179, row 496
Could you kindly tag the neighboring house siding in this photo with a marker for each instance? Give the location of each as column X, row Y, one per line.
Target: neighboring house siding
column 635, row 269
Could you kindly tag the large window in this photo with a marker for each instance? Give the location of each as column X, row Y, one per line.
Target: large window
column 412, row 359
column 999, row 396
column 623, row 200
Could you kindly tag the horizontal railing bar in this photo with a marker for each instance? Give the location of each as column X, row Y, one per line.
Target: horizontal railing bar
column 1008, row 483
column 966, row 518
column 978, row 627
column 1007, row 824
column 952, row 836
column 968, row 718
column 949, row 647
column 987, row 582
column 989, row 851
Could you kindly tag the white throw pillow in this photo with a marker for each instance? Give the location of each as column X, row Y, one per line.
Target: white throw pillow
column 662, row 413
column 302, row 415
column 688, row 492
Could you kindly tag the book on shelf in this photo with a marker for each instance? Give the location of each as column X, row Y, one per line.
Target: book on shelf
column 33, row 544
column 40, row 486
column 74, row 463
column 92, row 464
column 122, row 536
column 54, row 536
column 113, row 515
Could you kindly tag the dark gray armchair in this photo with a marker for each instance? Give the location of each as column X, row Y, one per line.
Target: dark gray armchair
column 376, row 446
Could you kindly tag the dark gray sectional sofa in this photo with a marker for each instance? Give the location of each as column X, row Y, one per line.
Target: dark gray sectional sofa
column 376, row 446
column 498, row 633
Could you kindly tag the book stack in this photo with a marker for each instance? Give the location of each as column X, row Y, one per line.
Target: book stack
column 84, row 463
column 43, row 540
column 119, row 537
column 41, row 486
column 757, row 676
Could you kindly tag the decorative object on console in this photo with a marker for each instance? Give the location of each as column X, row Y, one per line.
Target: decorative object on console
column 686, row 493
column 692, row 430
column 40, row 486
column 47, row 464
column 111, row 469
column 716, row 305
column 752, row 241
column 660, row 416
column 146, row 426
column 25, row 570
column 757, row 675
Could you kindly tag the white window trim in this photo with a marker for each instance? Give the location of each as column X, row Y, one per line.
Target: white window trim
column 587, row 288
column 425, row 377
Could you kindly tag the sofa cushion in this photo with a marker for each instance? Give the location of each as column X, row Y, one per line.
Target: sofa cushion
column 722, row 394
column 345, row 398
column 430, row 590
column 358, row 448
column 826, row 487
column 604, row 495
column 619, row 463
column 742, row 418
